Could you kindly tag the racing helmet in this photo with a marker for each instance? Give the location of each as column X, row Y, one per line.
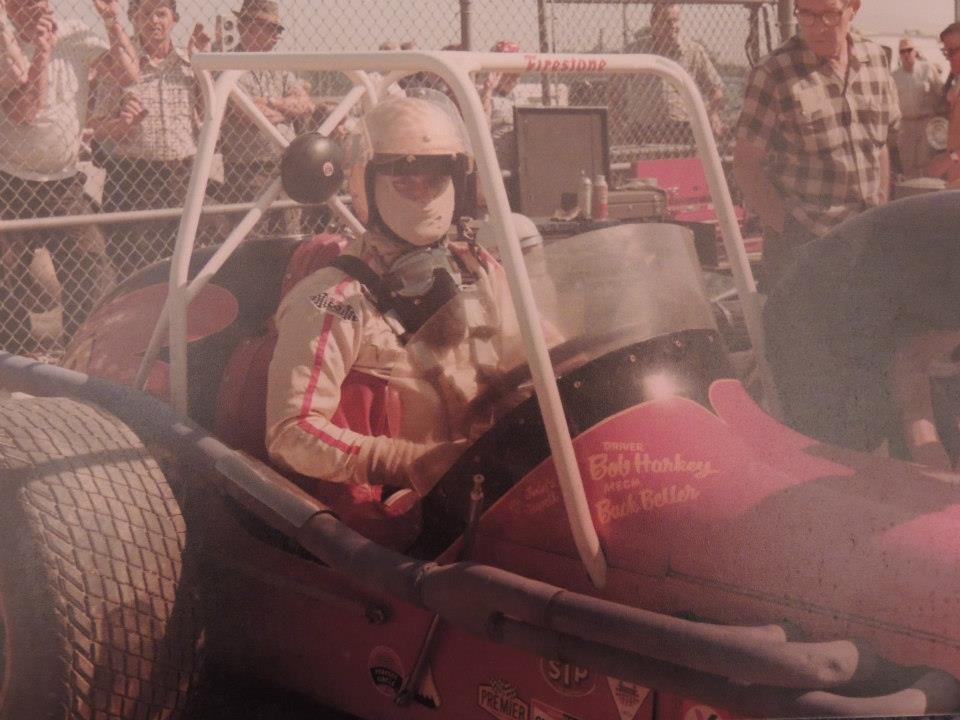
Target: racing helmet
column 406, row 136
column 527, row 232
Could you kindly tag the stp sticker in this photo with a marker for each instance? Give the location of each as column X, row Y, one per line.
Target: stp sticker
column 566, row 679
column 627, row 696
column 542, row 711
column 695, row 711
column 386, row 670
column 499, row 698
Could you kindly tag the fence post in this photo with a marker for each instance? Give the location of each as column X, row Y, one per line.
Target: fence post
column 786, row 22
column 466, row 38
column 545, row 48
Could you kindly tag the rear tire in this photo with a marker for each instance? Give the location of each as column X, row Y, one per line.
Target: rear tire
column 95, row 621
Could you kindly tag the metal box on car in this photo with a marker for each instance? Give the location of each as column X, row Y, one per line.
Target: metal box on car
column 554, row 146
column 637, row 204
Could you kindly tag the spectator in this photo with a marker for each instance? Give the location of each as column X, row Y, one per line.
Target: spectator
column 393, row 89
column 417, row 82
column 919, row 88
column 250, row 159
column 950, row 84
column 811, row 145
column 651, row 109
column 496, row 94
column 947, row 165
column 440, row 84
column 44, row 92
column 148, row 133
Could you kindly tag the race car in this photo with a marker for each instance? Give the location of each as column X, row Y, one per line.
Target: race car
column 654, row 545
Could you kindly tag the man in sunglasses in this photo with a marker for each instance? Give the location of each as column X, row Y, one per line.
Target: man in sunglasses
column 812, row 137
column 380, row 354
column 919, row 87
column 947, row 165
column 249, row 158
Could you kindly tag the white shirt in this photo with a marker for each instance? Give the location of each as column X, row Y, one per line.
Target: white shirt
column 240, row 141
column 501, row 130
column 48, row 148
column 919, row 90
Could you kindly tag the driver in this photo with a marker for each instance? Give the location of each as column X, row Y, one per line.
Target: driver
column 380, row 354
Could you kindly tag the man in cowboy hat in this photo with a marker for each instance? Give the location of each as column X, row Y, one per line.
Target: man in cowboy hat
column 265, row 11
column 250, row 160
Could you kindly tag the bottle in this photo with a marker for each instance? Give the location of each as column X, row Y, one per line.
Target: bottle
column 585, row 196
column 600, row 198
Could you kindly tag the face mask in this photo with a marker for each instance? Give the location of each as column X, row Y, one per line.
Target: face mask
column 417, row 208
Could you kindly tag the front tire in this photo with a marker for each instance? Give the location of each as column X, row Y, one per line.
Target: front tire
column 95, row 621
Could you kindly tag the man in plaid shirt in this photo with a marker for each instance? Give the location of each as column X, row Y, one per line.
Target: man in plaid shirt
column 812, row 137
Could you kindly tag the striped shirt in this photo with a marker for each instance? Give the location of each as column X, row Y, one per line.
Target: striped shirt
column 169, row 93
column 823, row 134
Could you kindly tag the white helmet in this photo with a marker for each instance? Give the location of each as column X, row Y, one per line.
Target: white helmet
column 409, row 136
column 527, row 233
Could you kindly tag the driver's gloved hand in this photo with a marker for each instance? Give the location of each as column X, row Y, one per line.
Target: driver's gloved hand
column 428, row 467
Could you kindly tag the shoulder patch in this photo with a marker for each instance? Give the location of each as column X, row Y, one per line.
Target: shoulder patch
column 341, row 309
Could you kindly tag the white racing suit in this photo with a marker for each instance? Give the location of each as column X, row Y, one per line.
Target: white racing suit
column 349, row 403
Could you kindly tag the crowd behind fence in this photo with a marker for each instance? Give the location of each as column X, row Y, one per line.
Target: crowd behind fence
column 50, row 283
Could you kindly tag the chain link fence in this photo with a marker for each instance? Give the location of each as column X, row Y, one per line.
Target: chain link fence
column 137, row 141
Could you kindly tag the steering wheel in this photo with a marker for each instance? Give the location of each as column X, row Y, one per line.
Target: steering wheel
column 516, row 384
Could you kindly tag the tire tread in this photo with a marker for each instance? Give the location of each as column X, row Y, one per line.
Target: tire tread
column 108, row 537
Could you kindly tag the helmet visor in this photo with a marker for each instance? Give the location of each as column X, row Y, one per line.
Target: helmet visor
column 418, row 178
column 415, row 165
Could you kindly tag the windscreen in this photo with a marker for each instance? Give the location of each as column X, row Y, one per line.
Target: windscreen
column 617, row 286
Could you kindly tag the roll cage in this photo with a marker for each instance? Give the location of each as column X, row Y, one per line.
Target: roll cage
column 218, row 73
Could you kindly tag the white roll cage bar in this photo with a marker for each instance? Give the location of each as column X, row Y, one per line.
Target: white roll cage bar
column 454, row 68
